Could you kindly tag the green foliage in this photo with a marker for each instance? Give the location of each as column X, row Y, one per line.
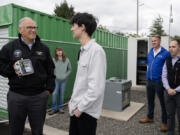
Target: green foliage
column 64, row 11
column 133, row 35
column 157, row 27
column 103, row 28
column 120, row 33
column 175, row 37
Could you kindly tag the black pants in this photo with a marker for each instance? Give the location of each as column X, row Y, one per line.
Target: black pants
column 172, row 105
column 152, row 88
column 84, row 125
column 20, row 106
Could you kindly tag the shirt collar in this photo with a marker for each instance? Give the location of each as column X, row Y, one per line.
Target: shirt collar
column 157, row 50
column 177, row 57
column 87, row 45
column 26, row 43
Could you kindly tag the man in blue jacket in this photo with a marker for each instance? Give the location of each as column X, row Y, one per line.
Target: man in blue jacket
column 155, row 59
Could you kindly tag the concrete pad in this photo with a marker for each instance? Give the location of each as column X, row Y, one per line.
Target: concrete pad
column 139, row 88
column 50, row 130
column 126, row 114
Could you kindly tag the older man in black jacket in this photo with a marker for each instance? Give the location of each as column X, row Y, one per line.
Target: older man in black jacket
column 28, row 94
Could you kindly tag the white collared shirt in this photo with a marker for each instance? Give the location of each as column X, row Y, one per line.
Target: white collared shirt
column 29, row 45
column 156, row 52
column 88, row 91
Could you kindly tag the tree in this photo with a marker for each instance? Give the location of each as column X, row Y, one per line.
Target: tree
column 133, row 35
column 157, row 27
column 175, row 37
column 64, row 11
column 101, row 27
column 120, row 33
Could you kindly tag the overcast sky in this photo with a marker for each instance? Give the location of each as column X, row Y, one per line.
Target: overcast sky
column 116, row 15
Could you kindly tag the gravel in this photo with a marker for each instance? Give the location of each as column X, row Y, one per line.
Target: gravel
column 108, row 126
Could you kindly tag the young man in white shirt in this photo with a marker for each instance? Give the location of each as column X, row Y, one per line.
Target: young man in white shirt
column 86, row 101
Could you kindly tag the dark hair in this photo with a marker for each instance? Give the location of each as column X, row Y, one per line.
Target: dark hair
column 63, row 54
column 87, row 19
column 177, row 40
column 157, row 36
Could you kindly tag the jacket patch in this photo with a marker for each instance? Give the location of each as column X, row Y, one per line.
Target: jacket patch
column 17, row 53
column 39, row 53
column 160, row 56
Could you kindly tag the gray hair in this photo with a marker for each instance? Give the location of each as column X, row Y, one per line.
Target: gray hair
column 21, row 21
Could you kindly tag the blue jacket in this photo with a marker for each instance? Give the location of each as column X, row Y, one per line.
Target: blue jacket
column 155, row 64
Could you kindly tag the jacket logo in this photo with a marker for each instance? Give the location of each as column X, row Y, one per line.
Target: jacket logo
column 160, row 56
column 39, row 53
column 17, row 53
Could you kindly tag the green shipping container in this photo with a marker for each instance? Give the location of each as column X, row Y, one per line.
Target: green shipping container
column 55, row 31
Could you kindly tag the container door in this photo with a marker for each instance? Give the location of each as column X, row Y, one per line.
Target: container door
column 4, row 87
column 142, row 50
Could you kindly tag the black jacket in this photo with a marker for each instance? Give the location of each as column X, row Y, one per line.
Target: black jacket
column 173, row 75
column 43, row 77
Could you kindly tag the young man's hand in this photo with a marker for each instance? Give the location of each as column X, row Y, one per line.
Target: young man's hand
column 48, row 92
column 77, row 113
column 171, row 92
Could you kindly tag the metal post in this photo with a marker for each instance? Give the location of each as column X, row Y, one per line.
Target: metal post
column 169, row 31
column 137, row 27
column 170, row 21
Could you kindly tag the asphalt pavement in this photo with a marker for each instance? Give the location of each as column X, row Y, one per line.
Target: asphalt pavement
column 108, row 126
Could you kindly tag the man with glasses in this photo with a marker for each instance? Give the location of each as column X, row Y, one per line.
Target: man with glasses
column 27, row 63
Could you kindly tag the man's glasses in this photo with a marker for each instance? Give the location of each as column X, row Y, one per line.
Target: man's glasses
column 31, row 27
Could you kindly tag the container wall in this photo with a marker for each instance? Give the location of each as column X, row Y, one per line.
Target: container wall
column 49, row 27
column 4, row 88
column 115, row 62
column 6, row 15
